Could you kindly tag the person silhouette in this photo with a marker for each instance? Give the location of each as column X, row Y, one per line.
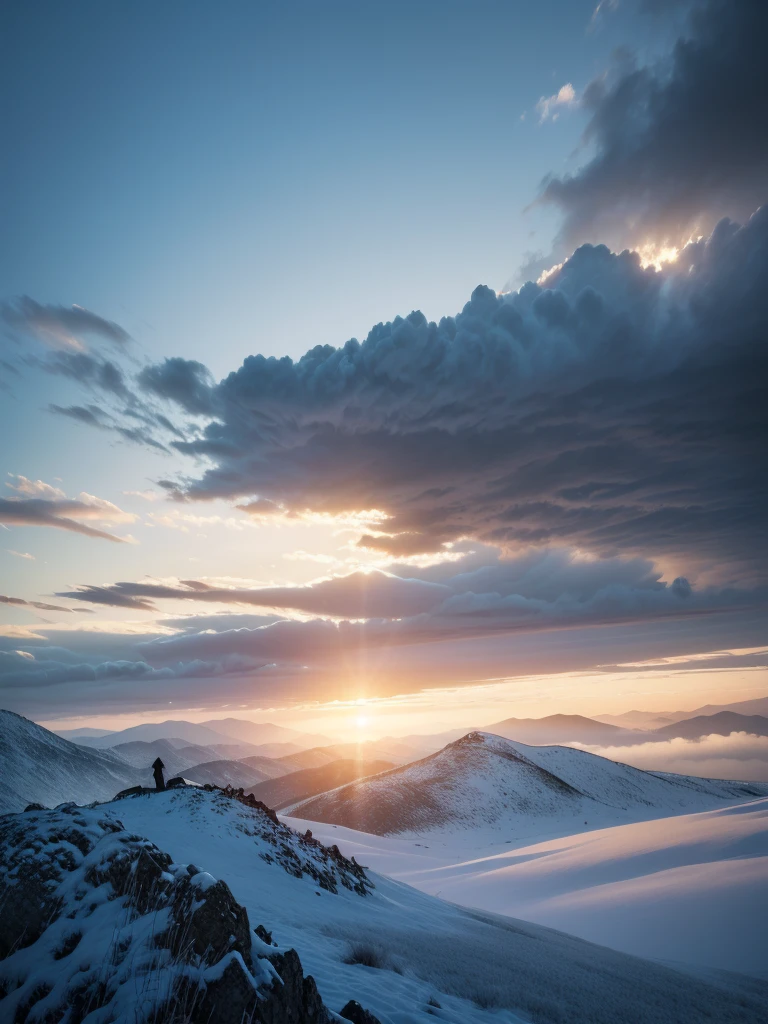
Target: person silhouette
column 157, row 768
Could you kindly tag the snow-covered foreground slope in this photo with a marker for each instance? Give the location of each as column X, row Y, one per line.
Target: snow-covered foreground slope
column 691, row 889
column 468, row 962
column 485, row 782
column 37, row 766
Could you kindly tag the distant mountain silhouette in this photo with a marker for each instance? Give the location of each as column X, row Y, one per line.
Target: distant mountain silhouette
column 558, row 729
column 301, row 785
column 225, row 773
column 721, row 724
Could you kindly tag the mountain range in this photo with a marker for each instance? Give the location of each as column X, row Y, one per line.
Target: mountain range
column 79, row 770
column 213, row 732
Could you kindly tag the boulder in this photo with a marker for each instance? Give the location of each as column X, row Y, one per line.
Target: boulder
column 354, row 1012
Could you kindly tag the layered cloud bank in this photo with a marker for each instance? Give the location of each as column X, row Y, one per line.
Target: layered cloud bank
column 618, row 409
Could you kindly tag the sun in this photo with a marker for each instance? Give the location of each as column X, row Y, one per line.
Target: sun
column 361, row 721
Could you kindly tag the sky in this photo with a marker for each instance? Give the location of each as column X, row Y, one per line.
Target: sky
column 382, row 367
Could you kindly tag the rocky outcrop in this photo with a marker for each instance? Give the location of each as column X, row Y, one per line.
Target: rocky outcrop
column 91, row 915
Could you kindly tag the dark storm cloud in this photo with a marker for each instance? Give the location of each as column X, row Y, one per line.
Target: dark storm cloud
column 183, row 381
column 39, row 512
column 678, row 145
column 60, row 323
column 616, row 410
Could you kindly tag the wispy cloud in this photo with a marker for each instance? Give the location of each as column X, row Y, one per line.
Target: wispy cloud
column 61, row 326
column 549, row 108
column 37, row 503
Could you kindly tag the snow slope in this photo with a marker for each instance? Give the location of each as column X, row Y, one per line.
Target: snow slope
column 40, row 767
column 691, row 889
column 478, row 967
column 483, row 781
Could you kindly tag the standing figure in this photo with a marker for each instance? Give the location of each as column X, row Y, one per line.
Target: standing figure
column 157, row 767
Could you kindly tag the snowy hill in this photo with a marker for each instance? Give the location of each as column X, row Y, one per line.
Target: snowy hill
column 40, row 767
column 483, row 781
column 403, row 955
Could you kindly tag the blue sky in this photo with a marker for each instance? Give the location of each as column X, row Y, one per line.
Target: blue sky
column 239, row 179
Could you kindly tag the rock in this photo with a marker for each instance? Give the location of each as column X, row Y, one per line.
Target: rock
column 218, row 925
column 34, row 807
column 296, row 1000
column 263, row 934
column 354, row 1011
column 132, row 791
column 231, row 998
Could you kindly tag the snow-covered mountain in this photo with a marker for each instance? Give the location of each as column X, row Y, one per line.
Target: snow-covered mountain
column 40, row 767
column 483, row 781
column 118, row 947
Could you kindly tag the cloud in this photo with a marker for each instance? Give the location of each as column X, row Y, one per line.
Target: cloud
column 36, row 512
column 183, row 381
column 18, row 602
column 541, row 590
column 738, row 756
column 91, row 371
column 21, row 554
column 42, row 504
column 677, row 145
column 60, row 326
column 91, row 416
column 614, row 411
column 34, row 488
column 549, row 107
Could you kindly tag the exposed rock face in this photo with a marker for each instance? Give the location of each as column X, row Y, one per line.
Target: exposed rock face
column 353, row 1011
column 95, row 917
